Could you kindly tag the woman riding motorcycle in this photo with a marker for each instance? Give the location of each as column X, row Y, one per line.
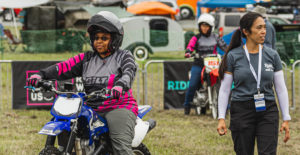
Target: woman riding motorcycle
column 205, row 42
column 106, row 66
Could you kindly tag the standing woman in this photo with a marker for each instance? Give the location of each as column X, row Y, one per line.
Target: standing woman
column 254, row 69
column 205, row 42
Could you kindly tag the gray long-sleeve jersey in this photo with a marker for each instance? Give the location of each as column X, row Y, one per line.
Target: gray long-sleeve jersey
column 95, row 73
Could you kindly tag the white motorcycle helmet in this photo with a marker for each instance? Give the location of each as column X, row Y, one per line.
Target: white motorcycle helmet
column 207, row 18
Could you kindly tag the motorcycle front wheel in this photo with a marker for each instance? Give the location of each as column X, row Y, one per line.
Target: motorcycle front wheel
column 214, row 112
column 141, row 150
column 50, row 150
column 214, row 108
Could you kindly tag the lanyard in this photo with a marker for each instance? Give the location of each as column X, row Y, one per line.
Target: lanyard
column 257, row 77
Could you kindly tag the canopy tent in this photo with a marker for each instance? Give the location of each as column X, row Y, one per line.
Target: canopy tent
column 20, row 4
column 151, row 8
column 119, row 12
column 223, row 3
column 65, row 6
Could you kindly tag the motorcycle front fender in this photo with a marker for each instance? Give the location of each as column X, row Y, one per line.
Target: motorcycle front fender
column 54, row 128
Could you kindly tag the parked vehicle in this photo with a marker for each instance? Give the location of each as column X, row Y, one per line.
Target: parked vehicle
column 226, row 22
column 121, row 3
column 207, row 96
column 173, row 5
column 148, row 34
column 170, row 3
column 85, row 130
column 188, row 8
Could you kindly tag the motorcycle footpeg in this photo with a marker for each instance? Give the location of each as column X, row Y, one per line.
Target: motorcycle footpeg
column 152, row 124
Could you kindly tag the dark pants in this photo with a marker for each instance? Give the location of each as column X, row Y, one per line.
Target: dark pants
column 195, row 83
column 246, row 124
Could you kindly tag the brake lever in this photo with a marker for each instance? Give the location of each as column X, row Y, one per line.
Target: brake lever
column 29, row 87
column 33, row 89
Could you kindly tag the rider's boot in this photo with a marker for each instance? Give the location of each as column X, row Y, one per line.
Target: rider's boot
column 187, row 110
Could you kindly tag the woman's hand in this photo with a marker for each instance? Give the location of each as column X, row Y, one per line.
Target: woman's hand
column 116, row 92
column 286, row 128
column 222, row 130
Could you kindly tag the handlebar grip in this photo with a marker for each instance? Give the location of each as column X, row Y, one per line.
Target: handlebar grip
column 29, row 87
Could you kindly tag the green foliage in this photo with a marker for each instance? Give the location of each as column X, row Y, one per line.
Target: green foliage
column 288, row 46
column 47, row 41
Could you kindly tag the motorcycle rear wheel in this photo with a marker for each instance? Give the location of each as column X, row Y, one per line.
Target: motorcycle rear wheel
column 141, row 150
column 200, row 110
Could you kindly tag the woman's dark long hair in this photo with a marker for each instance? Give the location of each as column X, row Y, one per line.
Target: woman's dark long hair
column 246, row 23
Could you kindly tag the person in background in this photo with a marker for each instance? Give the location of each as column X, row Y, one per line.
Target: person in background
column 106, row 66
column 270, row 38
column 22, row 17
column 255, row 69
column 1, row 30
column 205, row 42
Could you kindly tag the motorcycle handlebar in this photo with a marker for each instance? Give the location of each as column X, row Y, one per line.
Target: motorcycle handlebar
column 48, row 85
column 194, row 55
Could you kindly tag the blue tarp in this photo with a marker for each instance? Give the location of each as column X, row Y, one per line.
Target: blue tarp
column 1, row 30
column 223, row 3
column 227, row 39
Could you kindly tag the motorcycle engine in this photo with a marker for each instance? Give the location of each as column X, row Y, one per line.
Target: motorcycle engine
column 85, row 146
column 200, row 98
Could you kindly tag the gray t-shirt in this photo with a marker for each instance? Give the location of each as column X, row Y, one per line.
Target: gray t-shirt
column 244, row 81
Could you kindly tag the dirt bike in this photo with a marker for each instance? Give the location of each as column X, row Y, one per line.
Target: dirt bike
column 206, row 97
column 80, row 129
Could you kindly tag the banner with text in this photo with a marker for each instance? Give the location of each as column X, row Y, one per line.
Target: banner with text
column 176, row 74
column 25, row 99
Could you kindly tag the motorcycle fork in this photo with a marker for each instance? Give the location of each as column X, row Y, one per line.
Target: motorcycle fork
column 209, row 96
column 72, row 137
column 209, row 90
column 50, row 141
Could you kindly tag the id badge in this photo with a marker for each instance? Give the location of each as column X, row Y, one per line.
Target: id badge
column 260, row 104
column 197, row 55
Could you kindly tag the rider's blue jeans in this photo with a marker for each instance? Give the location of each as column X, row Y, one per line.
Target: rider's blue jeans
column 195, row 83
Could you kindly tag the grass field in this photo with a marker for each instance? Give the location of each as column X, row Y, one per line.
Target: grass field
column 175, row 134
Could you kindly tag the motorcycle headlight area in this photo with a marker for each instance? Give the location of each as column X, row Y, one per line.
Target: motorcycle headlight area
column 211, row 63
column 66, row 106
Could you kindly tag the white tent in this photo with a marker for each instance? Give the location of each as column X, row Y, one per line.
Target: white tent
column 20, row 4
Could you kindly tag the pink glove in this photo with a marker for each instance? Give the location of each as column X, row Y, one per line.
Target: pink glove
column 187, row 55
column 33, row 80
column 116, row 92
